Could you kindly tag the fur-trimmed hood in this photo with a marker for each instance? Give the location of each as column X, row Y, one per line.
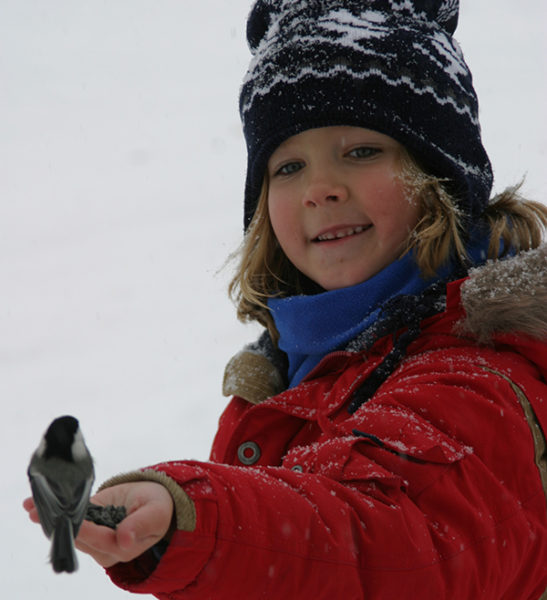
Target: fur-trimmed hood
column 499, row 297
column 507, row 296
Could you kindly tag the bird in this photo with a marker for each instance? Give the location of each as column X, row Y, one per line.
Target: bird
column 61, row 475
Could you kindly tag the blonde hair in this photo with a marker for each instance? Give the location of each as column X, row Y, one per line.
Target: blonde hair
column 264, row 271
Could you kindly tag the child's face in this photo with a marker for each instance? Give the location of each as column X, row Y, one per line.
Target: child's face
column 337, row 204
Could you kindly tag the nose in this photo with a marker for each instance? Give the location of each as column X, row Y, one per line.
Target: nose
column 324, row 186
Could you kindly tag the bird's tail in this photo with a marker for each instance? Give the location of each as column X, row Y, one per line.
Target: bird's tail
column 63, row 555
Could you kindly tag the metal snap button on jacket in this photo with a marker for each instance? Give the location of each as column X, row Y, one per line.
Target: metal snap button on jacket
column 297, row 468
column 248, row 453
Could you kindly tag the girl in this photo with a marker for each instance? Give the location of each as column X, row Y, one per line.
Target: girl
column 385, row 438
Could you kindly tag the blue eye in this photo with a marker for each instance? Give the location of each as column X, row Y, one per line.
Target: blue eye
column 364, row 152
column 289, row 168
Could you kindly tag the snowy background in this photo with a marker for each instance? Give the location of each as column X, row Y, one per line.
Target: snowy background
column 121, row 178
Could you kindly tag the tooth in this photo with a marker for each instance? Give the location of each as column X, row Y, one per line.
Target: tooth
column 341, row 234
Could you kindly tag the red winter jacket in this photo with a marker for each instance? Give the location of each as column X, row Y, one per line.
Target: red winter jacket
column 435, row 488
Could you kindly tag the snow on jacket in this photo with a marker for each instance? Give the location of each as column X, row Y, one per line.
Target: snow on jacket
column 434, row 489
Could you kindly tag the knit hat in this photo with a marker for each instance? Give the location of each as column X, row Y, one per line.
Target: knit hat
column 387, row 65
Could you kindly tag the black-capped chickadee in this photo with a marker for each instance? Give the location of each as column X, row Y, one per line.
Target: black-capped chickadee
column 61, row 475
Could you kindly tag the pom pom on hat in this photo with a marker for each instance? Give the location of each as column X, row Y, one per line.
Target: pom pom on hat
column 388, row 65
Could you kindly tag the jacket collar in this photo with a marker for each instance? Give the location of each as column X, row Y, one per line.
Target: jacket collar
column 506, row 296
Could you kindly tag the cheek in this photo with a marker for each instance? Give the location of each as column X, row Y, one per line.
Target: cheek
column 283, row 219
column 412, row 210
column 407, row 210
column 277, row 218
column 399, row 214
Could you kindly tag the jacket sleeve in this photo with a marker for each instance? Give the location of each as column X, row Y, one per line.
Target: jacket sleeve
column 430, row 490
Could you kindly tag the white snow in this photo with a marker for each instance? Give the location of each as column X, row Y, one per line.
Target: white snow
column 121, row 181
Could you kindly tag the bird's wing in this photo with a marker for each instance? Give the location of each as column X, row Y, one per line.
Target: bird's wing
column 78, row 509
column 46, row 500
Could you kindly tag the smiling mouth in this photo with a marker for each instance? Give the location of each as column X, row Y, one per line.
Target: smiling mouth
column 342, row 233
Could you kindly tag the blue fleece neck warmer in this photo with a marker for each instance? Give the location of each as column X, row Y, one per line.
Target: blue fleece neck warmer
column 310, row 327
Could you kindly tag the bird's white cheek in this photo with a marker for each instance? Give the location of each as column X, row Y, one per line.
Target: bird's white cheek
column 40, row 451
column 79, row 450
